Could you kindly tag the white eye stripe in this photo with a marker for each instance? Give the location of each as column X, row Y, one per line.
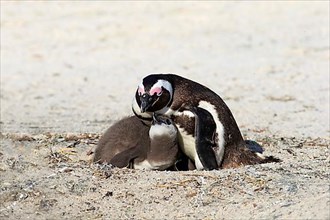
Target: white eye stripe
column 156, row 90
column 163, row 84
column 140, row 90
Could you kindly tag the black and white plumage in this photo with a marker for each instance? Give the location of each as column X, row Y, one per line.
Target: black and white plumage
column 131, row 143
column 208, row 133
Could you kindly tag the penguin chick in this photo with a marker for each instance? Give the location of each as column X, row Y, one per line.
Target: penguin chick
column 163, row 148
column 127, row 139
column 131, row 143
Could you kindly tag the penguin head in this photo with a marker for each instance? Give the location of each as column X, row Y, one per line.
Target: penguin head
column 162, row 127
column 158, row 119
column 153, row 93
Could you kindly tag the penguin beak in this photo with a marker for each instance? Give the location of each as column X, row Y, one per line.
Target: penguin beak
column 146, row 102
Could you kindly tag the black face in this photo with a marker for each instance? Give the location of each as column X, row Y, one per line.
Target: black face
column 154, row 102
column 154, row 93
column 147, row 101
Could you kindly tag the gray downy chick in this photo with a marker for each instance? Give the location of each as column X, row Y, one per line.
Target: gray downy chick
column 131, row 143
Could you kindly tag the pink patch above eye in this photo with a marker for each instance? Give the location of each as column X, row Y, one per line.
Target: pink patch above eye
column 141, row 90
column 156, row 90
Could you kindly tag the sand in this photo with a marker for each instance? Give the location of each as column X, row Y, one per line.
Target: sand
column 70, row 69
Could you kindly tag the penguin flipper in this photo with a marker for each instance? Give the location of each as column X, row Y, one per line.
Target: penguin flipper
column 205, row 129
column 125, row 158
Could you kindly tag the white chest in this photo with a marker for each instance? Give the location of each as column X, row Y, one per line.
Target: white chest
column 188, row 142
column 188, row 146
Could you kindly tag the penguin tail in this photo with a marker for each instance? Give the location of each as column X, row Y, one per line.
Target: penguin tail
column 258, row 150
column 254, row 146
column 271, row 159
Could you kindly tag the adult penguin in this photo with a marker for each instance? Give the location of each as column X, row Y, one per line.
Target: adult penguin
column 207, row 128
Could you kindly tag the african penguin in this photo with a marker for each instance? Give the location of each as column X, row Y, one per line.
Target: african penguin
column 208, row 133
column 131, row 143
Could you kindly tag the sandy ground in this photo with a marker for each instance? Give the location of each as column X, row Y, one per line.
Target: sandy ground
column 70, row 69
